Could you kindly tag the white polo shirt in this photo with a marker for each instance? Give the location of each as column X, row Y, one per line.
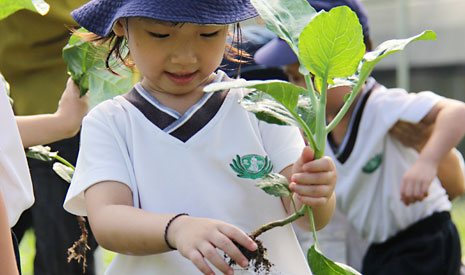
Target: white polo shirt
column 371, row 163
column 197, row 163
column 15, row 180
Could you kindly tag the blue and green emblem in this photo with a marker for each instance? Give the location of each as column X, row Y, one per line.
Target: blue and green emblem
column 251, row 166
column 373, row 164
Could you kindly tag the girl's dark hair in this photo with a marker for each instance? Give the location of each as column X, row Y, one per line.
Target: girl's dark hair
column 116, row 46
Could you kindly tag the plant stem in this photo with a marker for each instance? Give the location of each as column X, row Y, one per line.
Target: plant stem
column 312, row 222
column 64, row 161
column 282, row 222
column 320, row 127
column 348, row 103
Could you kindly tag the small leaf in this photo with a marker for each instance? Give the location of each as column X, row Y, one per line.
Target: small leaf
column 332, row 44
column 285, row 18
column 320, row 265
column 8, row 7
column 65, row 172
column 391, row 46
column 275, row 184
column 40, row 152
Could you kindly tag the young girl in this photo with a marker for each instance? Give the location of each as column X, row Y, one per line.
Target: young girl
column 166, row 149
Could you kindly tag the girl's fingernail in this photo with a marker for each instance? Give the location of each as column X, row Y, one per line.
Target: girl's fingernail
column 244, row 263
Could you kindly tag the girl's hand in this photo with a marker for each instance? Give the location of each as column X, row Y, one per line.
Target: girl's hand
column 72, row 108
column 198, row 238
column 313, row 181
column 416, row 181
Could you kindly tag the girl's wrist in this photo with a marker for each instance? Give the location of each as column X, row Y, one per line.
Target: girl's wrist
column 172, row 229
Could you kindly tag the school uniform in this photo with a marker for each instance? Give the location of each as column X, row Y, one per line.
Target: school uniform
column 372, row 164
column 15, row 181
column 200, row 162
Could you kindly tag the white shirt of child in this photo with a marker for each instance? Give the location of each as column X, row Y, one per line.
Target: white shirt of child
column 368, row 188
column 15, row 180
column 167, row 175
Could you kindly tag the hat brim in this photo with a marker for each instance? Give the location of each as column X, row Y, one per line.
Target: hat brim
column 275, row 53
column 98, row 16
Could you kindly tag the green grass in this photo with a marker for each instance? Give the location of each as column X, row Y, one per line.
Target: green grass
column 27, row 245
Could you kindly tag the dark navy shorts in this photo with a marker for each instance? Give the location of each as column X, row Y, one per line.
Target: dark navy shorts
column 431, row 246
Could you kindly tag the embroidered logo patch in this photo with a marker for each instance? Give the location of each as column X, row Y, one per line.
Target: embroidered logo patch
column 251, row 166
column 373, row 164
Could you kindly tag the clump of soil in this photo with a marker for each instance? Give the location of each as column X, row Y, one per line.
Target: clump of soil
column 257, row 259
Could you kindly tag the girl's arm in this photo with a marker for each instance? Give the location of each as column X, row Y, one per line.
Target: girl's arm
column 447, row 133
column 8, row 261
column 64, row 123
column 120, row 227
column 312, row 182
column 450, row 171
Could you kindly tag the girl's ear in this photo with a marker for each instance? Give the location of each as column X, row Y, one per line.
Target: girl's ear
column 119, row 28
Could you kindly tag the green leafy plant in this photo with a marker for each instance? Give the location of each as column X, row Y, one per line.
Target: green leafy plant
column 329, row 46
column 87, row 68
column 8, row 7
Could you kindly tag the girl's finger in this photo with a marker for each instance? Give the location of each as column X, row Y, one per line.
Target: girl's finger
column 198, row 260
column 239, row 236
column 210, row 253
column 314, row 178
column 225, row 244
column 323, row 164
column 314, row 191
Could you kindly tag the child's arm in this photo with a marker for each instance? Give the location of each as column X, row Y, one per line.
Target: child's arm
column 446, row 134
column 64, row 123
column 312, row 182
column 7, row 256
column 120, row 227
column 450, row 171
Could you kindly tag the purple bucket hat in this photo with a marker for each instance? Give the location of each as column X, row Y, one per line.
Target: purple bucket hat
column 98, row 16
column 278, row 53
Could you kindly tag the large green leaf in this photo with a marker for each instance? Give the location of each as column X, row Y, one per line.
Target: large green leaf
column 275, row 184
column 332, row 45
column 283, row 92
column 8, row 7
column 320, row 265
column 87, row 68
column 285, row 18
column 391, row 46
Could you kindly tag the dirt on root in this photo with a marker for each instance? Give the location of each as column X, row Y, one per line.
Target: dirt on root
column 257, row 259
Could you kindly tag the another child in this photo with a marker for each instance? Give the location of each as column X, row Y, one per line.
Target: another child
column 391, row 193
column 15, row 181
column 165, row 148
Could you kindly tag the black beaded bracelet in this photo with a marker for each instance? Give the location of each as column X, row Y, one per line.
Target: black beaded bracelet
column 168, row 225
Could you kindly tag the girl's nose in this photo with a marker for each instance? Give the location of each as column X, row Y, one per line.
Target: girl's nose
column 184, row 56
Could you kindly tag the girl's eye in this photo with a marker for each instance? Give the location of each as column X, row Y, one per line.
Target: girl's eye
column 210, row 34
column 159, row 35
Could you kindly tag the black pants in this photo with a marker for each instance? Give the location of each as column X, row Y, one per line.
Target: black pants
column 16, row 249
column 55, row 229
column 429, row 247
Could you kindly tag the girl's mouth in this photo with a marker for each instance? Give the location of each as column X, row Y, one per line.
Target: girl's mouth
column 181, row 78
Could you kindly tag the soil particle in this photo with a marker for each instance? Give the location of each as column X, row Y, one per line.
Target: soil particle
column 258, row 262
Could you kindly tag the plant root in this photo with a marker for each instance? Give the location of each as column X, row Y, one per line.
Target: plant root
column 80, row 247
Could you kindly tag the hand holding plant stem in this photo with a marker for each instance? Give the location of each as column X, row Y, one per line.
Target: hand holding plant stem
column 329, row 46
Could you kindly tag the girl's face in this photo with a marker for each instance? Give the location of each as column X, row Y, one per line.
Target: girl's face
column 173, row 59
